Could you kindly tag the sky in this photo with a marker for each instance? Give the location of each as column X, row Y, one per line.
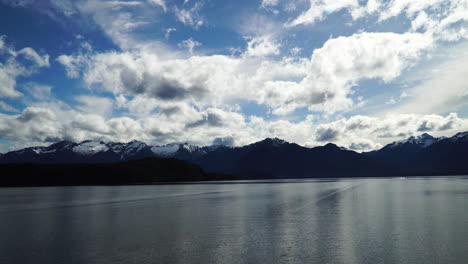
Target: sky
column 357, row 73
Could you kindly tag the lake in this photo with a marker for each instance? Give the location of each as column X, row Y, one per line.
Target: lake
column 400, row 220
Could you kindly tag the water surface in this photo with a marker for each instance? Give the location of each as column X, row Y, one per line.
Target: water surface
column 414, row 220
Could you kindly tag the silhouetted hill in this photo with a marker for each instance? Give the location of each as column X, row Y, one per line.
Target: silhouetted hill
column 275, row 158
column 144, row 171
column 425, row 155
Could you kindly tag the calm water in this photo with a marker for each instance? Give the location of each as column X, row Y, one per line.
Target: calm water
column 418, row 220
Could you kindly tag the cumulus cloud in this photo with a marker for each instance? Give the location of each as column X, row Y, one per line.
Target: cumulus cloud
column 321, row 83
column 95, row 105
column 262, row 46
column 184, row 123
column 367, row 133
column 201, row 80
column 17, row 63
column 443, row 87
column 341, row 63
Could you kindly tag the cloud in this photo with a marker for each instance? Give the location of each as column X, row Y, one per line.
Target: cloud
column 168, row 31
column 190, row 16
column 363, row 133
column 189, row 44
column 183, row 123
column 224, row 141
column 319, row 8
column 39, row 91
column 17, row 63
column 444, row 20
column 340, row 64
column 213, row 117
column 262, row 46
column 8, row 108
column 269, row 3
column 321, row 83
column 160, row 3
column 441, row 86
column 101, row 106
column 326, row 134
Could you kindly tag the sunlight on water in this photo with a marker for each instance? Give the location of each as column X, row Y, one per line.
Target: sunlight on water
column 401, row 220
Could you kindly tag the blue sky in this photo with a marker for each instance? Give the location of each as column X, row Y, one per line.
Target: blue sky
column 357, row 73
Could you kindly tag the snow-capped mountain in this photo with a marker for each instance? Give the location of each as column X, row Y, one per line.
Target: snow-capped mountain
column 183, row 151
column 272, row 157
column 89, row 147
column 424, row 140
column 98, row 151
column 462, row 136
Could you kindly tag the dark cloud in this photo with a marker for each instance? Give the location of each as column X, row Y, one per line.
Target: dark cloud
column 360, row 146
column 449, row 125
column 320, row 97
column 157, row 86
column 390, row 134
column 326, row 134
column 426, row 126
column 357, row 125
column 170, row 110
column 209, row 119
column 224, row 141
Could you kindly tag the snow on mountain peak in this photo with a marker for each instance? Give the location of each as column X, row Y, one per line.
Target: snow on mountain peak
column 424, row 140
column 460, row 135
column 135, row 145
column 166, row 150
column 170, row 150
column 89, row 147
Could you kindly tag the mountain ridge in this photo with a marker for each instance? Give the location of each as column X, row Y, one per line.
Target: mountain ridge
column 272, row 157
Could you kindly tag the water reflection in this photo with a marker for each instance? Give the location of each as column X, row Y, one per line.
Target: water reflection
column 334, row 221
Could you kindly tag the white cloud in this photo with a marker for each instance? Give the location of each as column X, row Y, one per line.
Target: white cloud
column 182, row 123
column 33, row 56
column 101, row 106
column 262, row 46
column 319, row 8
column 442, row 88
column 160, row 3
column 8, row 108
column 189, row 44
column 442, row 19
column 168, row 31
column 363, row 133
column 12, row 66
column 269, row 3
column 321, row 83
column 190, row 16
column 341, row 63
column 39, row 91
column 118, row 19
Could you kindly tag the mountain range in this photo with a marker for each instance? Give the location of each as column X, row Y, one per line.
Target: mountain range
column 272, row 157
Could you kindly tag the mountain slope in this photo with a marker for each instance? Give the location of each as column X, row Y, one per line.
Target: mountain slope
column 426, row 155
column 274, row 158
